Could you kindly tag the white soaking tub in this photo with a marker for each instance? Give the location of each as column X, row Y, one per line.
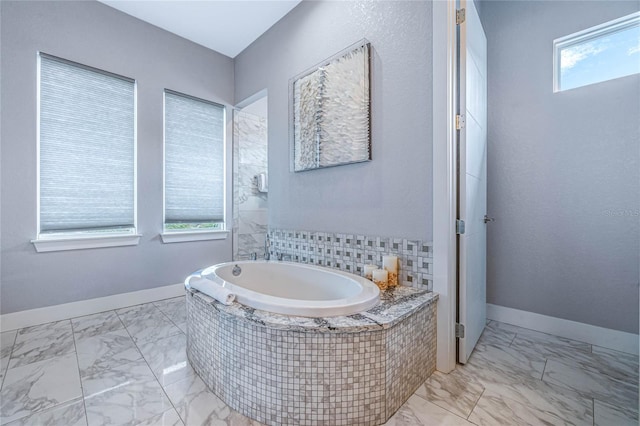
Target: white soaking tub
column 293, row 288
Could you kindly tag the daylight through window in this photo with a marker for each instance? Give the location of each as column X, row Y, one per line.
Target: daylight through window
column 86, row 149
column 601, row 53
column 194, row 132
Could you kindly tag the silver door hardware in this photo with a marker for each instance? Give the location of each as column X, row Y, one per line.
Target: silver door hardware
column 459, row 331
column 459, row 226
column 460, row 15
column 460, row 122
column 488, row 219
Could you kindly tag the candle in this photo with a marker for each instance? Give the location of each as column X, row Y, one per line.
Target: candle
column 381, row 278
column 390, row 263
column 368, row 271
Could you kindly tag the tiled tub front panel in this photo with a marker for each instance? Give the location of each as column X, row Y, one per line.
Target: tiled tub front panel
column 285, row 377
column 350, row 252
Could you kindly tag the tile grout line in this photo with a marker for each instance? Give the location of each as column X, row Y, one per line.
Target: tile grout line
column 476, row 404
column 6, row 370
column 151, row 369
column 593, row 410
column 75, row 347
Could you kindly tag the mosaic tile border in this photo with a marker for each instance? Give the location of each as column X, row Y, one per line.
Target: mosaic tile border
column 350, row 252
column 287, row 377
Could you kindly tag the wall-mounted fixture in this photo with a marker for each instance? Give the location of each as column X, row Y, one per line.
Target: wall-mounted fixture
column 262, row 182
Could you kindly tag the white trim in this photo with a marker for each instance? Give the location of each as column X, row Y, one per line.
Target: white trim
column 64, row 311
column 444, row 178
column 180, row 237
column 81, row 243
column 599, row 336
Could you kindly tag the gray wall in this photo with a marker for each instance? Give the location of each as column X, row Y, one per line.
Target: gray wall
column 564, row 182
column 94, row 34
column 391, row 195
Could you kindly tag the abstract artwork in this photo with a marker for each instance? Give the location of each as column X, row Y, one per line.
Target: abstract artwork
column 331, row 116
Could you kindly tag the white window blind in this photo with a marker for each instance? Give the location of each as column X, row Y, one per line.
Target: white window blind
column 194, row 161
column 87, row 148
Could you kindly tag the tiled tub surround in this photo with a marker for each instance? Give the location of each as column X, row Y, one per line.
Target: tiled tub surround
column 281, row 370
column 350, row 252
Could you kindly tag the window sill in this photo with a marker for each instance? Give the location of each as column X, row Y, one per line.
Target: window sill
column 181, row 237
column 81, row 243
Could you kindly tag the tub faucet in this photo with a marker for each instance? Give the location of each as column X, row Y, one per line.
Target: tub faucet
column 267, row 245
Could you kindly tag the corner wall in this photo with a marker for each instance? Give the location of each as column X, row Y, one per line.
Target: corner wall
column 91, row 33
column 564, row 172
column 391, row 195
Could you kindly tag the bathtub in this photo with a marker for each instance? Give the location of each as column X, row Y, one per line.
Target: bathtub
column 294, row 289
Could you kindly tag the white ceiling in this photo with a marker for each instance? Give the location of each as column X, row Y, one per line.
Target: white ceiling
column 226, row 26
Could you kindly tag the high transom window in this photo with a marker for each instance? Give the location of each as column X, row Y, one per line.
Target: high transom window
column 604, row 52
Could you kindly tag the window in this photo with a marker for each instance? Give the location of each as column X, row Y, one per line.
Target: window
column 194, row 135
column 87, row 153
column 601, row 53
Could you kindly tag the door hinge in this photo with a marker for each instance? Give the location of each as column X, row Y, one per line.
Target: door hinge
column 460, row 15
column 459, row 331
column 459, row 226
column 460, row 122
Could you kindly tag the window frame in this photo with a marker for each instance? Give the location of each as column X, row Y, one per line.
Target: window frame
column 77, row 239
column 184, row 235
column 592, row 33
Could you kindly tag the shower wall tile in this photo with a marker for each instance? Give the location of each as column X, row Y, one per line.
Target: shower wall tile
column 350, row 253
column 250, row 206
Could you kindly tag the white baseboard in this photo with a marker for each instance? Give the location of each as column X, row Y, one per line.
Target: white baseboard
column 599, row 336
column 37, row 316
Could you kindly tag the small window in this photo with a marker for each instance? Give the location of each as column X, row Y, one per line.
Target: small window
column 87, row 151
column 194, row 135
column 601, row 53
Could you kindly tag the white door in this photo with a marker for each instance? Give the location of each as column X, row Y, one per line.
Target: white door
column 472, row 180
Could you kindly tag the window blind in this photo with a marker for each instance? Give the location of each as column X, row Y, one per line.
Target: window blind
column 194, row 160
column 87, row 148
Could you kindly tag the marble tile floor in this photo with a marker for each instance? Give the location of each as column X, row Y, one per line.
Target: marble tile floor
column 129, row 367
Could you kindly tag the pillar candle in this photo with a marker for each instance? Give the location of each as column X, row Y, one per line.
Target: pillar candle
column 390, row 263
column 381, row 278
column 368, row 271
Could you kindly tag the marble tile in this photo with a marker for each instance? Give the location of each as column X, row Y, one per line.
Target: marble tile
column 168, row 418
column 496, row 338
column 68, row 414
column 175, row 309
column 608, row 415
column 418, row 412
column 147, row 323
column 197, row 405
column 505, row 362
column 626, row 363
column 105, row 351
column 94, row 325
column 540, row 346
column 453, row 392
column 129, row 314
column 168, row 359
column 127, row 394
column 531, row 402
column 38, row 386
column 42, row 342
column 592, row 382
column 6, row 346
column 182, row 326
column 43, row 330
